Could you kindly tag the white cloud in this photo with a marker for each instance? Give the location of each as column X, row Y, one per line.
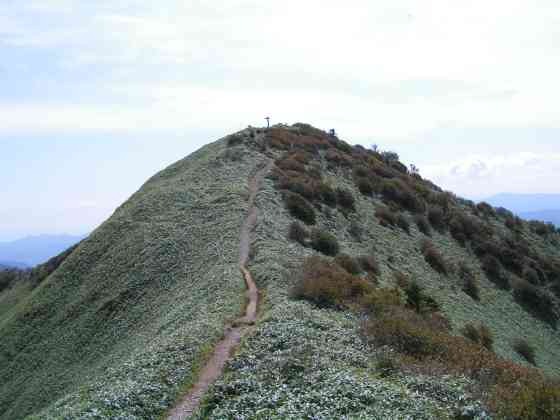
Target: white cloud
column 480, row 176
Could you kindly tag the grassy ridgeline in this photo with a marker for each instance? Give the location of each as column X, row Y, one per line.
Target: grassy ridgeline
column 119, row 326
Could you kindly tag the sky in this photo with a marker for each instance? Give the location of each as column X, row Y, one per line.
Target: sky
column 95, row 97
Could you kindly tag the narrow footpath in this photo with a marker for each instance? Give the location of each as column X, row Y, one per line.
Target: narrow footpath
column 233, row 334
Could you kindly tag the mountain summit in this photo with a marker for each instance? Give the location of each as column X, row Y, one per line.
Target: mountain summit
column 376, row 295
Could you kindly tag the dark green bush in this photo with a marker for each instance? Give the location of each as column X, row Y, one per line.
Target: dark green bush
column 324, row 242
column 494, row 271
column 525, row 350
column 403, row 222
column 535, row 300
column 345, row 199
column 423, row 225
column 470, row 283
column 366, row 186
column 436, row 216
column 326, row 194
column 234, row 140
column 298, row 233
column 299, row 207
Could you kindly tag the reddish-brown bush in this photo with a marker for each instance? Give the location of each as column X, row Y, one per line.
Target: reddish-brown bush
column 348, row 263
column 434, row 257
column 386, row 217
column 327, row 284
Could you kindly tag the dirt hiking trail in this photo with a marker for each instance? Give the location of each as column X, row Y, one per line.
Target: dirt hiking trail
column 233, row 334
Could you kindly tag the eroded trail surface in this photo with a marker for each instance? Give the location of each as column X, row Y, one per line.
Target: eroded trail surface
column 233, row 334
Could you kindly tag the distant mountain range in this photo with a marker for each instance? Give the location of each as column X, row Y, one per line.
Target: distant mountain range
column 33, row 250
column 545, row 207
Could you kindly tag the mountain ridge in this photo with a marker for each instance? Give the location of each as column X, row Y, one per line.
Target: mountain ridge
column 124, row 325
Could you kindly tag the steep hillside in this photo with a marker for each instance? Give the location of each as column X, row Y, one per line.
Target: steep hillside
column 381, row 296
column 123, row 323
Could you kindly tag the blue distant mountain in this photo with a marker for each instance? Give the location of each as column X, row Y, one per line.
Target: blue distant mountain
column 551, row 216
column 545, row 207
column 12, row 264
column 523, row 203
column 33, row 250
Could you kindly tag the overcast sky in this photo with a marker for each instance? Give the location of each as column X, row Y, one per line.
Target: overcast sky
column 95, row 96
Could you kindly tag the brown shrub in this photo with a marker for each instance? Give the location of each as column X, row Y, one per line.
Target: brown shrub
column 398, row 192
column 379, row 300
column 525, row 350
column 290, row 164
column 486, row 209
column 369, row 264
column 299, row 207
column 337, row 158
column 327, row 284
column 434, row 257
column 479, row 334
column 386, row 217
column 348, row 263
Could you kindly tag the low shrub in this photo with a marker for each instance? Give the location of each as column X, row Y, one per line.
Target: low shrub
column 535, row 398
column 234, row 140
column 486, row 209
column 381, row 299
column 494, row 271
column 423, row 225
column 406, row 332
column 338, row 158
column 298, row 233
column 324, row 242
column 290, row 164
column 345, row 199
column 348, row 263
column 365, row 186
column 470, row 283
column 386, row 217
column 327, row 284
column 436, row 216
column 387, row 364
column 299, row 207
column 403, row 222
column 479, row 334
column 525, row 350
column 417, row 299
column 369, row 264
column 398, row 192
column 356, row 230
column 434, row 257
column 326, row 194
column 535, row 300
column 531, row 275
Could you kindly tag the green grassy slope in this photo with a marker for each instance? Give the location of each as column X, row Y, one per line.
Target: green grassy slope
column 121, row 324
